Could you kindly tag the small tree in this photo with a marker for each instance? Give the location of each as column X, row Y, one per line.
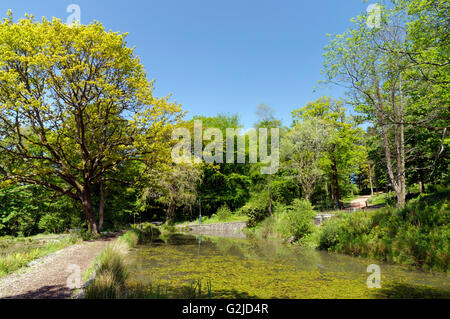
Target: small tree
column 303, row 150
column 174, row 186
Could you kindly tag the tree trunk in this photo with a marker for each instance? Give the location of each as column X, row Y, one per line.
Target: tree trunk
column 308, row 197
column 370, row 179
column 398, row 179
column 335, row 184
column 270, row 194
column 88, row 209
column 171, row 211
column 101, row 209
column 420, row 182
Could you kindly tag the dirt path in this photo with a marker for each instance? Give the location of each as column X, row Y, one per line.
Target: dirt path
column 48, row 278
column 359, row 202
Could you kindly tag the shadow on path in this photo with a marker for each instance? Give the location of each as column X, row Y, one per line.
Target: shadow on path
column 46, row 292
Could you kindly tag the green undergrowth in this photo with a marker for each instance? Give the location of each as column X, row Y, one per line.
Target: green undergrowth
column 417, row 235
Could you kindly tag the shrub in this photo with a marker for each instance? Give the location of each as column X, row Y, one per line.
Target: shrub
column 223, row 213
column 167, row 227
column 86, row 235
column 296, row 220
column 330, row 235
column 267, row 227
column 256, row 209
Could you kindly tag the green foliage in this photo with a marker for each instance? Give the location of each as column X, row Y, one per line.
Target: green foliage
column 296, row 220
column 417, row 235
column 28, row 210
column 257, row 208
column 131, row 238
column 223, row 213
column 167, row 227
column 123, row 123
column 86, row 235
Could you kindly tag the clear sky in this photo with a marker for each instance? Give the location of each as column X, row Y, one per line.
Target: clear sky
column 221, row 56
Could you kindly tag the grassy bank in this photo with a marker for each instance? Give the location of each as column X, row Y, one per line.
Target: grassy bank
column 16, row 253
column 417, row 235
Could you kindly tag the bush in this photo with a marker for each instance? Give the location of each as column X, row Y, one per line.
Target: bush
column 330, row 235
column 267, row 227
column 256, row 209
column 167, row 227
column 86, row 235
column 223, row 213
column 296, row 220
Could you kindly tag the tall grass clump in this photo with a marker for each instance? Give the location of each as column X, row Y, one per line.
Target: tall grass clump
column 417, row 235
column 111, row 270
column 131, row 238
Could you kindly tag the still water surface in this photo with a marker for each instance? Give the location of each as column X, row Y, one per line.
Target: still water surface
column 248, row 268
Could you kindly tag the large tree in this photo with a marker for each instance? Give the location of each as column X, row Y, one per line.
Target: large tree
column 75, row 107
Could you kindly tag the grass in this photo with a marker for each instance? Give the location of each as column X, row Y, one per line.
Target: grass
column 381, row 199
column 17, row 253
column 111, row 271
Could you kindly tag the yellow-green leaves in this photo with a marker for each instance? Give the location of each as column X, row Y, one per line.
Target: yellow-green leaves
column 75, row 105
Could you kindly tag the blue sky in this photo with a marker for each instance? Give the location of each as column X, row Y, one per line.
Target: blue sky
column 221, row 56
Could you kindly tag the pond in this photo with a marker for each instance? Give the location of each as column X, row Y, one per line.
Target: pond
column 248, row 268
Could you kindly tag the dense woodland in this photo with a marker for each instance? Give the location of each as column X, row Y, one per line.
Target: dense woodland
column 84, row 143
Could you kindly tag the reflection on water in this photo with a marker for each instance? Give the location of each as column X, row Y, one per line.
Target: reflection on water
column 249, row 268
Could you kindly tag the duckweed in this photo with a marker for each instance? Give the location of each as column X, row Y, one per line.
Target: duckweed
column 265, row 269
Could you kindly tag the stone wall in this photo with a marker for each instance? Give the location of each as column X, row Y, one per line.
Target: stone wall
column 320, row 218
column 232, row 229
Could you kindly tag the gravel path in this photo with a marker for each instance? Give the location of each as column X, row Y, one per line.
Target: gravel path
column 47, row 279
column 359, row 202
